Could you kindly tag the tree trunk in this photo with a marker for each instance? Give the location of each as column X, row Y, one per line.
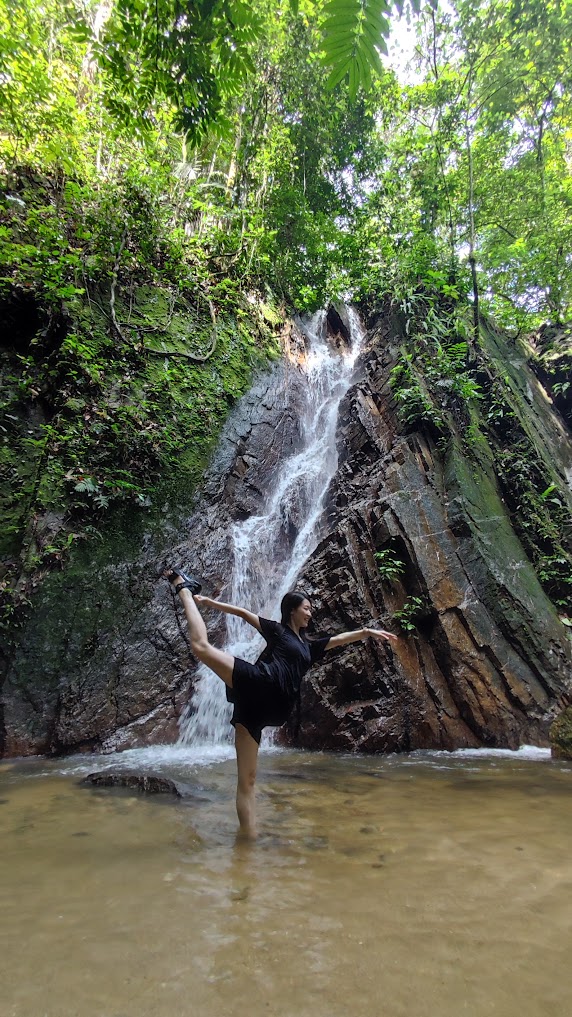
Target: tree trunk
column 471, row 202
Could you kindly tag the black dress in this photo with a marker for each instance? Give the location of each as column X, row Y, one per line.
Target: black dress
column 264, row 693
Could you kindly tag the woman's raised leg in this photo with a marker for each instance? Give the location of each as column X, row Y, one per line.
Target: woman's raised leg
column 246, row 762
column 219, row 661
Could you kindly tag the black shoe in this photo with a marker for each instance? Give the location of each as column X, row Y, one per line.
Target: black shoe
column 189, row 582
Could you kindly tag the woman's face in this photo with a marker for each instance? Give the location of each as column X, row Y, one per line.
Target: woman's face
column 301, row 615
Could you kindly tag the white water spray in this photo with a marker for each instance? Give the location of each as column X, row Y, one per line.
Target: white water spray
column 271, row 549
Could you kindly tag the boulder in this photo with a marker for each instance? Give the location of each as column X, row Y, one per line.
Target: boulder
column 149, row 783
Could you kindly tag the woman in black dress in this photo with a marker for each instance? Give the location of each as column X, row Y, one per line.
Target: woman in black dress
column 263, row 693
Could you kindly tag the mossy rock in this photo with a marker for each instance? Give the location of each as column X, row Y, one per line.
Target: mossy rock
column 561, row 735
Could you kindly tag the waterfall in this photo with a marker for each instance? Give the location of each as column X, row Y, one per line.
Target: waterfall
column 271, row 549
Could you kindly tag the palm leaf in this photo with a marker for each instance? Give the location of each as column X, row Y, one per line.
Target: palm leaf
column 338, row 74
column 352, row 33
column 354, row 80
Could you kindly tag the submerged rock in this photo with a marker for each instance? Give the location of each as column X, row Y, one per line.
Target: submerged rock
column 150, row 783
column 561, row 735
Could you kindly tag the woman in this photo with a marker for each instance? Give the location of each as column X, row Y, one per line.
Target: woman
column 263, row 693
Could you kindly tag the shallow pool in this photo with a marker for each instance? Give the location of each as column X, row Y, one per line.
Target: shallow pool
column 429, row 885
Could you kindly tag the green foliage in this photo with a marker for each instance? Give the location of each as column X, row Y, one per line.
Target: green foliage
column 194, row 62
column 123, row 378
column 431, row 376
column 365, row 189
column 47, row 263
column 416, row 408
column 409, row 616
column 40, row 54
column 354, row 33
column 198, row 62
column 501, row 78
column 539, row 515
column 389, row 565
column 119, row 423
column 497, row 410
column 471, row 161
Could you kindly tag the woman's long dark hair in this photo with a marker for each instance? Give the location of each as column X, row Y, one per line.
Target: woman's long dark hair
column 290, row 601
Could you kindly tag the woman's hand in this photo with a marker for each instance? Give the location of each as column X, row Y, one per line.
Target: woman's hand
column 353, row 637
column 379, row 634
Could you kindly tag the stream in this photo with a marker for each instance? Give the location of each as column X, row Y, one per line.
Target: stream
column 429, row 885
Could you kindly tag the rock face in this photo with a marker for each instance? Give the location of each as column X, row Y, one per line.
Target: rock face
column 103, row 663
column 483, row 658
column 561, row 735
column 488, row 655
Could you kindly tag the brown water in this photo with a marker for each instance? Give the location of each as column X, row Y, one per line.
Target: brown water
column 402, row 887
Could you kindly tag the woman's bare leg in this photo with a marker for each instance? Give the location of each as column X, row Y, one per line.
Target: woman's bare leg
column 222, row 664
column 219, row 661
column 246, row 761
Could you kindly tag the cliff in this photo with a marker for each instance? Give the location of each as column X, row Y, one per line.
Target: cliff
column 426, row 530
column 485, row 655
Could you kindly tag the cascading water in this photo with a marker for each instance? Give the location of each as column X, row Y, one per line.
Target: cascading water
column 271, row 549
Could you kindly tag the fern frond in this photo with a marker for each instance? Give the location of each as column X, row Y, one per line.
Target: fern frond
column 353, row 34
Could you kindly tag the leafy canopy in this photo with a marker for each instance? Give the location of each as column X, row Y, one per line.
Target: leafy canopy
column 199, row 53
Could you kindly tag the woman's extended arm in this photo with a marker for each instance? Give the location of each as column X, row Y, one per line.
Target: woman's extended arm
column 240, row 612
column 354, row 637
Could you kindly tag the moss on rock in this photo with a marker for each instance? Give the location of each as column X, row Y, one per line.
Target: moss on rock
column 112, row 383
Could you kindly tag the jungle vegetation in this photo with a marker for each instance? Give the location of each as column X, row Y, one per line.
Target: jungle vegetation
column 177, row 176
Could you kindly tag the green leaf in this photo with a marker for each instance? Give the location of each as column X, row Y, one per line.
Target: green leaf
column 370, row 55
column 338, row 53
column 354, row 79
column 365, row 69
column 340, row 24
column 378, row 24
column 334, row 7
column 338, row 74
column 79, row 32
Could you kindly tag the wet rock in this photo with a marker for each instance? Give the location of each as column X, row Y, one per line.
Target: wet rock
column 488, row 656
column 561, row 735
column 149, row 783
column 338, row 326
column 104, row 661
